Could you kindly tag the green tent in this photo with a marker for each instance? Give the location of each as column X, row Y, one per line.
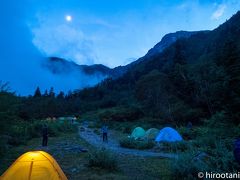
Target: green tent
column 138, row 133
column 151, row 134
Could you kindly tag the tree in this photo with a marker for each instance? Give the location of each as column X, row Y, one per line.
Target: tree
column 210, row 85
column 153, row 91
column 51, row 92
column 231, row 63
column 45, row 94
column 4, row 86
column 37, row 93
column 60, row 95
column 178, row 57
column 178, row 72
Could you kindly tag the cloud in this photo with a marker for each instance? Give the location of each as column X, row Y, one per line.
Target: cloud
column 182, row 6
column 104, row 23
column 86, row 40
column 65, row 41
column 219, row 12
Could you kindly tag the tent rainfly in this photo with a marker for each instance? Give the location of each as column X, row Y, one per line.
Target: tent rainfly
column 138, row 133
column 34, row 165
column 168, row 134
column 151, row 134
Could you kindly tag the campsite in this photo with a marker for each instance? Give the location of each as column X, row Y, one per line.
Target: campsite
column 158, row 155
column 125, row 90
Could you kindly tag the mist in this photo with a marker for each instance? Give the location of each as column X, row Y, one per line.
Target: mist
column 21, row 62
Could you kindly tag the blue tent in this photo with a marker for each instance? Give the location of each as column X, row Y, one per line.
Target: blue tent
column 168, row 134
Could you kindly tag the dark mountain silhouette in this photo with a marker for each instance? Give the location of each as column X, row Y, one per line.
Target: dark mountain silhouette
column 60, row 66
column 169, row 39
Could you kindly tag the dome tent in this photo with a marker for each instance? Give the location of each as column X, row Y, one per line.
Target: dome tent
column 168, row 134
column 151, row 134
column 137, row 133
column 34, row 165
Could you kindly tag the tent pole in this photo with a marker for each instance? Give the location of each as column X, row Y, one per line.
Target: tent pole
column 30, row 172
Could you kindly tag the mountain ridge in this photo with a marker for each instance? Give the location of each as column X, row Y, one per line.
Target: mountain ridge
column 58, row 65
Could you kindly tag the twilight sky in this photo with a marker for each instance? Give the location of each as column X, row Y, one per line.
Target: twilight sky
column 109, row 32
column 115, row 32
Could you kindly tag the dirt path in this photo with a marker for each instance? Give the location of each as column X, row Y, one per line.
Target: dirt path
column 113, row 145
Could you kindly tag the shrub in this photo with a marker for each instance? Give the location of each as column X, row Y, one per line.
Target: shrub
column 217, row 119
column 136, row 144
column 20, row 132
column 3, row 145
column 17, row 135
column 187, row 133
column 94, row 124
column 54, row 129
column 82, row 128
column 122, row 114
column 174, row 147
column 219, row 159
column 96, row 131
column 127, row 130
column 207, row 138
column 124, row 127
column 186, row 167
column 103, row 159
column 127, row 142
column 218, row 125
column 207, row 141
column 34, row 129
column 222, row 159
column 236, row 131
column 65, row 127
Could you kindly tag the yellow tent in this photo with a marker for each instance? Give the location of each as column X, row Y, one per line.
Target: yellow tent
column 34, row 165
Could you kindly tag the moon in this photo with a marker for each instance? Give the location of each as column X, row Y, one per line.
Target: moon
column 68, row 18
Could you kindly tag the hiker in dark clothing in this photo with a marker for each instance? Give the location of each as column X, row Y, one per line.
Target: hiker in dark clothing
column 237, row 150
column 105, row 133
column 44, row 135
column 189, row 125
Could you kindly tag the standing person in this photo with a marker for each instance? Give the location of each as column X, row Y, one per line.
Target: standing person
column 44, row 135
column 105, row 133
column 236, row 151
column 189, row 125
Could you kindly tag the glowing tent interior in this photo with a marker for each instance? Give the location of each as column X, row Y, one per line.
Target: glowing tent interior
column 34, row 165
